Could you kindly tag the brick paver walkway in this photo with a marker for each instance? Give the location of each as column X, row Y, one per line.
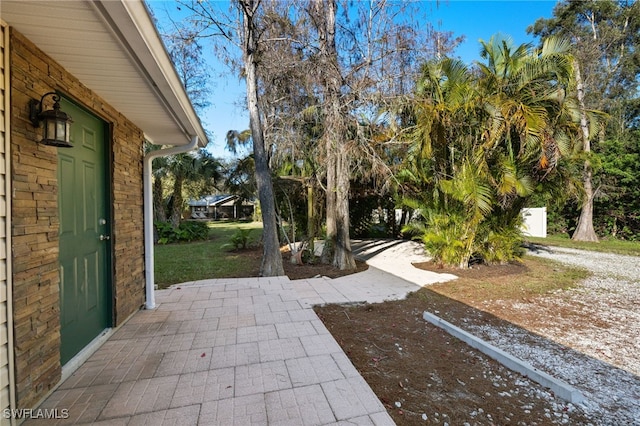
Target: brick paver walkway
column 221, row 352
column 247, row 351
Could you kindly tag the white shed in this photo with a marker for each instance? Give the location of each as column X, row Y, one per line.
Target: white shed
column 534, row 222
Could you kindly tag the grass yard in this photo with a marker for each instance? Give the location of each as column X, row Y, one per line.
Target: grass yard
column 177, row 263
column 533, row 277
column 631, row 248
column 215, row 258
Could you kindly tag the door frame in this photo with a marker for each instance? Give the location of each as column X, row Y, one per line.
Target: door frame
column 107, row 161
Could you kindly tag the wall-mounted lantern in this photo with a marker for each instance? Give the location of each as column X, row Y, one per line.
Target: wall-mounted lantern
column 57, row 123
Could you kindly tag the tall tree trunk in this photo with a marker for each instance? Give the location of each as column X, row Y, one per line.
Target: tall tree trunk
column 176, row 211
column 343, row 256
column 337, row 247
column 271, row 257
column 159, row 210
column 391, row 219
column 328, row 250
column 584, row 231
column 311, row 213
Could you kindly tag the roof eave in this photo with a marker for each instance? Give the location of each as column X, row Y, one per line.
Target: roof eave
column 132, row 24
column 113, row 48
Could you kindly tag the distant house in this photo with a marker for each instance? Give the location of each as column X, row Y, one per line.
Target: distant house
column 219, row 207
column 76, row 244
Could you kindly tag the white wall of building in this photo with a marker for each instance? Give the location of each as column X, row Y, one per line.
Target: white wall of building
column 535, row 222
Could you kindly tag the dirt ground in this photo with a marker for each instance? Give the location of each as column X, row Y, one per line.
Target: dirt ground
column 425, row 376
column 296, row 271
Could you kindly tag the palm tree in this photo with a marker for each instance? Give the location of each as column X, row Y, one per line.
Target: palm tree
column 531, row 119
column 485, row 141
column 451, row 191
column 181, row 167
column 240, row 177
column 159, row 174
column 237, row 141
column 189, row 168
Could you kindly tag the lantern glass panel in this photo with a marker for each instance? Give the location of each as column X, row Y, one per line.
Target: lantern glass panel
column 67, row 131
column 61, row 131
column 50, row 129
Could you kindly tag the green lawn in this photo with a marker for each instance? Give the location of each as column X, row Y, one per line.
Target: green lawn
column 608, row 246
column 177, row 263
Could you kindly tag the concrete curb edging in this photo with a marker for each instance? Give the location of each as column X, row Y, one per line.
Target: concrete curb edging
column 559, row 387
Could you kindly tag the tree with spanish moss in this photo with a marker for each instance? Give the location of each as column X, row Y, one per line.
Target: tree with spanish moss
column 241, row 29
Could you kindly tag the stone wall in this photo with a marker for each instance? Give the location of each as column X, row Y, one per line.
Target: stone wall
column 35, row 218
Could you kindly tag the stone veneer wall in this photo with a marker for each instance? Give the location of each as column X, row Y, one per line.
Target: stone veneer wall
column 36, row 224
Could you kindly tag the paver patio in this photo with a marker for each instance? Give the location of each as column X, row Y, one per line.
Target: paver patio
column 247, row 351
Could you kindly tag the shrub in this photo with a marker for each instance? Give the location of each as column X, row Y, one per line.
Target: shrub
column 190, row 231
column 187, row 231
column 500, row 246
column 447, row 239
column 239, row 240
column 442, row 235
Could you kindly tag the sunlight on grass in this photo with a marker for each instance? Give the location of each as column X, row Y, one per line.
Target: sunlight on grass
column 178, row 263
column 608, row 246
column 541, row 276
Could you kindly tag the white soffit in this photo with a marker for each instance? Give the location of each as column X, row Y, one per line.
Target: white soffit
column 113, row 48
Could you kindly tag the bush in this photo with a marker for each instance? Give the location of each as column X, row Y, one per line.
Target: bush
column 239, row 240
column 378, row 230
column 442, row 235
column 187, row 231
column 500, row 246
column 190, row 231
column 447, row 239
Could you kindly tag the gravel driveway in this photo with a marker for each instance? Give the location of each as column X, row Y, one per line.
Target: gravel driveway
column 591, row 334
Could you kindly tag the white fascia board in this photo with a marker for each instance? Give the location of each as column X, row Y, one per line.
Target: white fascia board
column 132, row 24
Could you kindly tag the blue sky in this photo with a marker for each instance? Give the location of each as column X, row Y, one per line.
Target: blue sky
column 475, row 20
column 481, row 19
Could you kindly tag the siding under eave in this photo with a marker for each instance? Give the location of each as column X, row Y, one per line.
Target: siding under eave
column 7, row 389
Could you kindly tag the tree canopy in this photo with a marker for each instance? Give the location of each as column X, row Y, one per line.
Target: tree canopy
column 483, row 142
column 605, row 36
column 363, row 102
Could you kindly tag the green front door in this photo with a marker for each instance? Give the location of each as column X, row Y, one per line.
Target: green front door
column 83, row 203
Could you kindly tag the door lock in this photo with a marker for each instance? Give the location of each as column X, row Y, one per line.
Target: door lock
column 105, row 237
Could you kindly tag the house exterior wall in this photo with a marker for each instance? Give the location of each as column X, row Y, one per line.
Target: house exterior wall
column 6, row 364
column 35, row 222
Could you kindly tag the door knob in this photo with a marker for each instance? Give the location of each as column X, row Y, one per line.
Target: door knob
column 104, row 237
